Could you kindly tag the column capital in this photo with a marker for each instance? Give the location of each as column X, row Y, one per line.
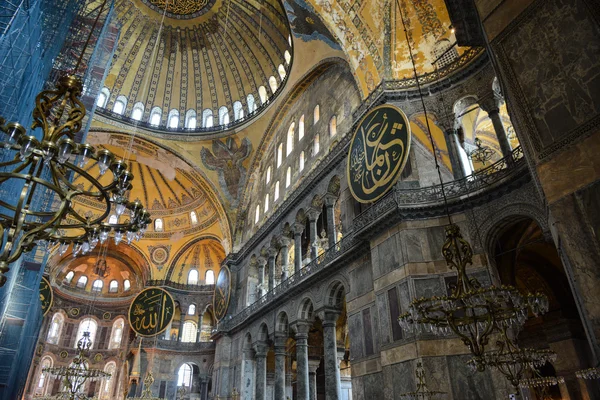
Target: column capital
column 285, row 241
column 330, row 199
column 313, row 364
column 260, row 348
column 301, row 328
column 261, row 261
column 313, row 214
column 272, row 252
column 489, row 103
column 328, row 315
column 298, row 228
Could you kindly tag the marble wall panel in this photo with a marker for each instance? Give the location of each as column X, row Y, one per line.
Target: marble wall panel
column 437, row 374
column 412, row 244
column 376, row 328
column 362, row 279
column 468, row 385
column 373, row 386
column 403, row 381
column 435, row 238
column 428, row 287
column 384, row 331
column 355, row 331
column 388, row 257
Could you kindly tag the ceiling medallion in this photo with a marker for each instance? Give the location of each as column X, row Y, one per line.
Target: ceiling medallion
column 181, row 9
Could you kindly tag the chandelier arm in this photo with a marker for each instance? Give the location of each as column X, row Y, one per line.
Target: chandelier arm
column 43, row 104
column 95, row 182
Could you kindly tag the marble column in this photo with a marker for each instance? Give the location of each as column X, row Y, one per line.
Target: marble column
column 302, row 370
column 181, row 321
column 452, row 142
column 312, row 233
column 248, row 375
column 490, row 105
column 280, row 342
column 261, row 276
column 313, row 365
column 330, row 215
column 167, row 333
column 285, row 257
column 271, row 264
column 332, row 370
column 260, row 391
column 298, row 230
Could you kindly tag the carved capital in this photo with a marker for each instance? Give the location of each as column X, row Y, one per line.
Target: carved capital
column 329, row 199
column 301, row 329
column 298, row 228
column 285, row 241
column 489, row 103
column 272, row 252
column 261, row 261
column 328, row 315
column 313, row 214
column 261, row 348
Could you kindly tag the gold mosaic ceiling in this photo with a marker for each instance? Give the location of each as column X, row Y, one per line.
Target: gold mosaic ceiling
column 189, row 8
column 208, row 62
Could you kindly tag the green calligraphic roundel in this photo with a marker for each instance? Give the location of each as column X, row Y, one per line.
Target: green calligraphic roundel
column 151, row 312
column 378, row 152
column 46, row 295
column 222, row 293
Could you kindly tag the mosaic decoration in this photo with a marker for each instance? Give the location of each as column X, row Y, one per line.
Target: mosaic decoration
column 378, row 152
column 159, row 254
column 74, row 312
column 307, row 25
column 46, row 295
column 181, row 8
column 227, row 159
column 151, row 312
column 222, row 293
column 106, row 316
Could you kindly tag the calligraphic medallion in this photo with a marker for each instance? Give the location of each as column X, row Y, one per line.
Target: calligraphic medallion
column 46, row 295
column 222, row 293
column 151, row 311
column 378, row 152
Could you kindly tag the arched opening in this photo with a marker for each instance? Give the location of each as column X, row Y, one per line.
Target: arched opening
column 206, row 325
column 116, row 335
column 301, row 128
column 210, row 277
column 82, row 282
column 281, row 70
column 158, row 225
column 41, row 388
column 184, row 376
column 279, row 155
column 268, row 175
column 223, row 116
column 173, row 120
column 190, row 119
column 103, row 98
column 301, row 162
column 193, row 218
column 257, row 214
column 192, row 277
column 276, row 194
column 120, row 104
column 288, row 57
column 288, row 177
column 106, row 391
column 192, row 309
column 97, row 285
column 207, row 118
column 238, row 110
column 87, row 325
column 155, row 116
column 290, row 139
column 316, row 114
column 273, row 84
column 55, row 329
column 251, row 104
column 69, row 277
column 138, row 111
column 126, row 285
column 262, row 93
column 189, row 332
column 333, row 126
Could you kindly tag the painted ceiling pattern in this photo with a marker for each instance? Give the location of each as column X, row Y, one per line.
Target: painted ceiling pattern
column 212, row 61
column 183, row 8
column 203, row 255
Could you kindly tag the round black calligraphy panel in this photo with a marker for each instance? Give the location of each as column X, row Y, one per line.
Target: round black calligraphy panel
column 151, row 311
column 46, row 295
column 378, row 152
column 222, row 293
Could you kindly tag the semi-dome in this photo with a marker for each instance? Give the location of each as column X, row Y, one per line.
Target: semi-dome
column 197, row 65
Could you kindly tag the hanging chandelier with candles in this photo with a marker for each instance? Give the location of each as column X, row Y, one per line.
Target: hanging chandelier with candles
column 38, row 201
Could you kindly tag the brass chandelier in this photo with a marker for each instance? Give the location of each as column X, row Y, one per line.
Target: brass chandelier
column 481, row 153
column 42, row 164
column 77, row 374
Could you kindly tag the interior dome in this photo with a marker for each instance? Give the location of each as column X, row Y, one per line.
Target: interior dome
column 212, row 65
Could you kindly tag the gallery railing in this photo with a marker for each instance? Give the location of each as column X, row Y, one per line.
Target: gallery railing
column 174, row 345
column 481, row 180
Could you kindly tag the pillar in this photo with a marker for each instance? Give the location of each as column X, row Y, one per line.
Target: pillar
column 167, row 333
column 285, row 257
column 181, row 321
column 458, row 170
column 302, row 369
column 490, row 105
column 313, row 365
column 260, row 356
column 248, row 375
column 271, row 264
column 330, row 215
column 332, row 370
column 312, row 233
column 298, row 230
column 261, row 276
column 280, row 342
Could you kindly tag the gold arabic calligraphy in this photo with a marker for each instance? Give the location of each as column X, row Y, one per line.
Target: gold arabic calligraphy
column 151, row 312
column 376, row 159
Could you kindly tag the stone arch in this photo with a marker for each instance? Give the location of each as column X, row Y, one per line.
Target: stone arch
column 301, row 216
column 335, row 294
column 306, row 310
column 247, row 344
column 282, row 323
column 317, row 202
column 463, row 103
column 263, row 332
column 334, row 185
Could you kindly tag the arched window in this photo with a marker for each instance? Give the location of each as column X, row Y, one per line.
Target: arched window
column 262, row 93
column 317, row 146
column 209, row 277
column 288, row 57
column 316, row 114
column 290, row 139
column 301, row 128
column 281, row 71
column 113, row 287
column 207, row 118
column 267, row 202
column 279, row 155
column 107, row 385
column 155, row 116
column 288, row 177
column 206, row 326
column 138, row 111
column 126, row 285
column 69, row 277
column 120, row 105
column 103, row 97
column 223, row 116
column 276, row 195
column 158, row 225
column 273, row 84
column 173, row 119
column 193, row 217
column 333, row 126
column 268, row 177
column 87, row 325
column 238, row 110
column 43, row 379
column 257, row 215
column 184, row 376
column 192, row 309
column 301, row 162
column 189, row 332
column 82, row 282
column 190, row 119
column 193, row 277
column 97, row 285
column 251, row 103
column 55, row 328
column 116, row 335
